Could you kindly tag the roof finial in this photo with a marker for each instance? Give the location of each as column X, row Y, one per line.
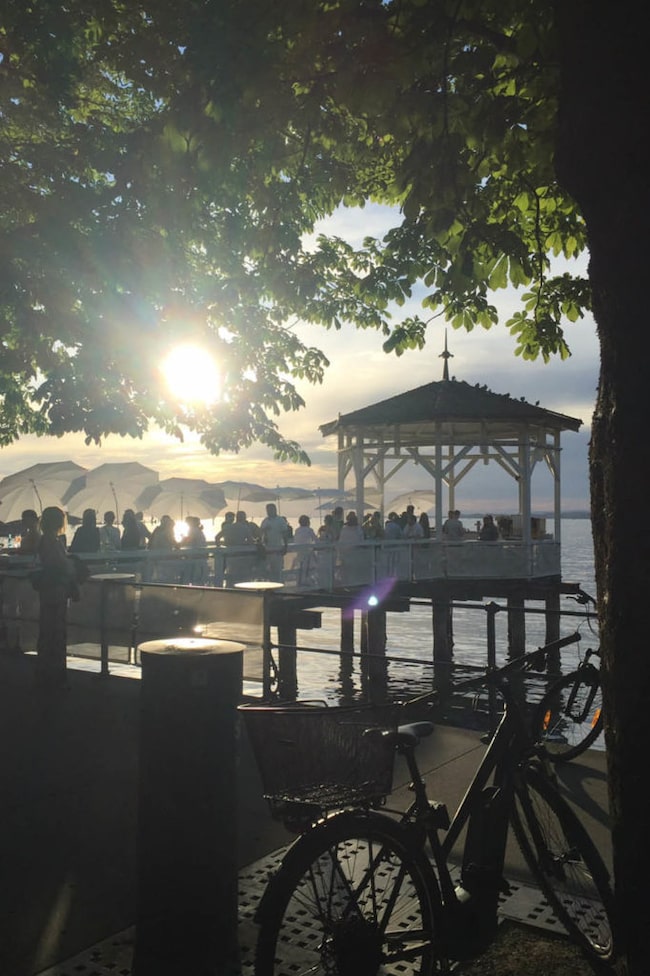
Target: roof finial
column 446, row 355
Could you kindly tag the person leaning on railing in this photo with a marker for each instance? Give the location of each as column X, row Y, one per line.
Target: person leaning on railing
column 86, row 537
column 275, row 535
column 488, row 531
column 392, row 528
column 413, row 529
column 305, row 561
column 242, row 538
column 109, row 534
column 30, row 532
column 453, row 530
column 163, row 541
column 372, row 527
column 350, row 557
column 56, row 584
column 195, row 569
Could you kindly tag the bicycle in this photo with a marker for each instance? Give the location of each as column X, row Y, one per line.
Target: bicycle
column 368, row 890
column 569, row 716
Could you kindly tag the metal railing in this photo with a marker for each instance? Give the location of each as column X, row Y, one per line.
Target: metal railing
column 325, row 566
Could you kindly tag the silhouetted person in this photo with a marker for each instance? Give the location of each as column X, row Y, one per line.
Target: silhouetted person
column 275, row 536
column 109, row 534
column 86, row 537
column 131, row 536
column 195, row 570
column 56, row 585
column 30, row 532
column 488, row 531
column 163, row 540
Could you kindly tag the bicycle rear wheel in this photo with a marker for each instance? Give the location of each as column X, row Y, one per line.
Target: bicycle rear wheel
column 569, row 718
column 562, row 857
column 350, row 898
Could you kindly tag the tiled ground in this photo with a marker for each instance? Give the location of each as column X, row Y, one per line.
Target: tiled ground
column 113, row 956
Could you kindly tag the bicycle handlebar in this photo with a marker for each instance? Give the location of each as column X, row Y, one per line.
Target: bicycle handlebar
column 492, row 676
column 524, row 662
column 582, row 597
column 557, row 644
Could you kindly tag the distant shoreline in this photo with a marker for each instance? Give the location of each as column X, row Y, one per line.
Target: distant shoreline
column 580, row 513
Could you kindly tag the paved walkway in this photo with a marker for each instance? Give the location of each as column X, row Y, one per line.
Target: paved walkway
column 68, row 816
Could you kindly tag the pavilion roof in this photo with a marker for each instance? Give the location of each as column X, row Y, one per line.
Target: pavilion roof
column 451, row 401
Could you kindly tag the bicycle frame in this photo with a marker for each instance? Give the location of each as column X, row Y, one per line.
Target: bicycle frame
column 584, row 666
column 524, row 662
column 484, row 809
column 455, row 916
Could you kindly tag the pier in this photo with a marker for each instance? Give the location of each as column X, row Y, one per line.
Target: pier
column 448, row 429
column 121, row 607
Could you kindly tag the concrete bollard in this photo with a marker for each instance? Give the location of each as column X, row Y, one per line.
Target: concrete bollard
column 187, row 813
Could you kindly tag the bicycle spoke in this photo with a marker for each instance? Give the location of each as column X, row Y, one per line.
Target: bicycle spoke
column 356, row 907
column 565, row 862
column 569, row 716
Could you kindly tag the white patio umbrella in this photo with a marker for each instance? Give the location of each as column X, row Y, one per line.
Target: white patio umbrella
column 347, row 500
column 421, row 499
column 180, row 497
column 13, row 503
column 37, row 487
column 290, row 494
column 258, row 495
column 246, row 491
column 111, row 487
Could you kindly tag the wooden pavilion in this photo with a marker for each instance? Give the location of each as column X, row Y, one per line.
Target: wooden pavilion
column 448, row 428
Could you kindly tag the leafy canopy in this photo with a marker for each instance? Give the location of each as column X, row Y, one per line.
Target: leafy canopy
column 163, row 166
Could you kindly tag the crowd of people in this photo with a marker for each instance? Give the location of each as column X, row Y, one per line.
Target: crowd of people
column 313, row 563
column 258, row 551
column 266, row 544
column 134, row 536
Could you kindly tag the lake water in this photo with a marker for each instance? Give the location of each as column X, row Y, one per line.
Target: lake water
column 324, row 675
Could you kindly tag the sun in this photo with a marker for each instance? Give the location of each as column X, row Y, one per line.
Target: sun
column 191, row 375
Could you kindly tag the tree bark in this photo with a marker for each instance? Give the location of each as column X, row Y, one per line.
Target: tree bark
column 602, row 162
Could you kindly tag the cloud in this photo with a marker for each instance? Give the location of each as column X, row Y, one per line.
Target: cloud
column 361, row 374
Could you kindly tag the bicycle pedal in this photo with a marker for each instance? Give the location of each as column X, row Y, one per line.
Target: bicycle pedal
column 439, row 815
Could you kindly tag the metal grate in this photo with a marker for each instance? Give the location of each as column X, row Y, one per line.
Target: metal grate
column 113, row 956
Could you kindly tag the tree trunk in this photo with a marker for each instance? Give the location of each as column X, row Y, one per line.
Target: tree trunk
column 602, row 163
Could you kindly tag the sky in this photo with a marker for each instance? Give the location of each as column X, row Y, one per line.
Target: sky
column 361, row 374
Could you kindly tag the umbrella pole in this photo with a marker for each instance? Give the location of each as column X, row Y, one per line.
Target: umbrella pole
column 40, row 503
column 117, row 508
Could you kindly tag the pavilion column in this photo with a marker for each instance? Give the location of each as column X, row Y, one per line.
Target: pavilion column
column 438, row 482
column 557, row 498
column 525, row 490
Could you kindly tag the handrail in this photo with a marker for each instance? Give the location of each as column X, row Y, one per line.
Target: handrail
column 328, row 565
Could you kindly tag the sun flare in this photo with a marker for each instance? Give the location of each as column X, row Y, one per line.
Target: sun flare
column 191, row 375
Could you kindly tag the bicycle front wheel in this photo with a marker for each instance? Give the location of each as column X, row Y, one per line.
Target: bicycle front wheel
column 565, row 862
column 351, row 898
column 569, row 718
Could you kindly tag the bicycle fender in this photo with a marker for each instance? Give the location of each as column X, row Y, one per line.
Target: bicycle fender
column 353, row 817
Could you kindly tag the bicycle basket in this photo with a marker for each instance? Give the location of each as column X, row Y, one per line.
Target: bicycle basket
column 323, row 756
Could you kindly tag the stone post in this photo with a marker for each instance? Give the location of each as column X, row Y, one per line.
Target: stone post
column 187, row 811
